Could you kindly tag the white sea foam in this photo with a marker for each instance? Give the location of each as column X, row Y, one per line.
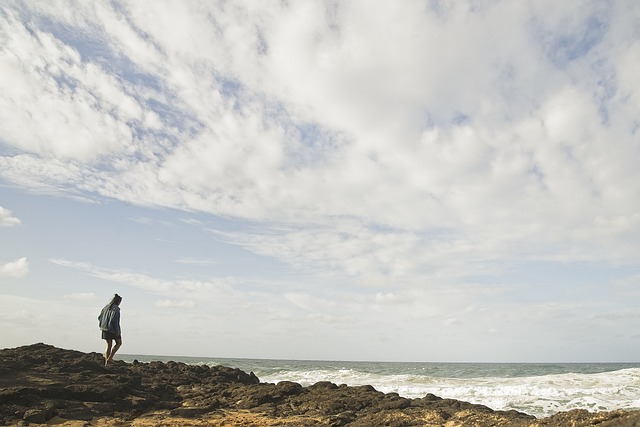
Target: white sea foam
column 536, row 395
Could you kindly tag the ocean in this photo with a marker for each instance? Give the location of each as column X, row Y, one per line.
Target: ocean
column 539, row 389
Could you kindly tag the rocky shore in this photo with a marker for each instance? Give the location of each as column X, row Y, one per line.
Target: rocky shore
column 42, row 384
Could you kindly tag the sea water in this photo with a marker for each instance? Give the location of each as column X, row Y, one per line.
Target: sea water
column 536, row 389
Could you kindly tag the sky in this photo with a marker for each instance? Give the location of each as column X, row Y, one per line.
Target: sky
column 339, row 180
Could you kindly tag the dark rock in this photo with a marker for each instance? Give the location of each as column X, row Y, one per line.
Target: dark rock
column 77, row 412
column 256, row 395
column 101, row 407
column 394, row 402
column 38, row 416
column 40, row 381
column 345, row 417
column 189, row 412
column 323, row 385
column 288, row 388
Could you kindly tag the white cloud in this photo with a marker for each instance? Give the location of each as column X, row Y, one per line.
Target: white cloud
column 82, row 112
column 81, row 296
column 196, row 261
column 386, row 298
column 148, row 283
column 18, row 268
column 7, row 219
column 313, row 318
column 386, row 117
column 310, row 303
column 150, row 221
column 167, row 303
column 392, row 155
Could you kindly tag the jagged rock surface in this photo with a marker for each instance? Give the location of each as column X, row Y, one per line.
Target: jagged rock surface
column 39, row 382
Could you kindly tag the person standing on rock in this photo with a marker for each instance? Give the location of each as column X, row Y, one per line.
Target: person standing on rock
column 109, row 321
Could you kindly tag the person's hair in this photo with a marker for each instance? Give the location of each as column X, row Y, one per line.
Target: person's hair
column 116, row 300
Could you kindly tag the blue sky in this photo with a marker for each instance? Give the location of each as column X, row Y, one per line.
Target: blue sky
column 411, row 181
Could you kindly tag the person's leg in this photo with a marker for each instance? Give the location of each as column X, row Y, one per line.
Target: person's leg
column 107, row 354
column 115, row 348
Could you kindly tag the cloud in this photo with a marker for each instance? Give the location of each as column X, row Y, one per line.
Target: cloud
column 387, row 298
column 6, row 218
column 18, row 268
column 437, row 319
column 83, row 112
column 353, row 155
column 310, row 303
column 145, row 282
column 201, row 262
column 81, row 296
column 175, row 303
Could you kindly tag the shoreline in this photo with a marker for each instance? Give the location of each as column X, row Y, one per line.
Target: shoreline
column 539, row 389
column 42, row 384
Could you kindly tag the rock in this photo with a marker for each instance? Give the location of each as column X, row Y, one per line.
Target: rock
column 38, row 416
column 189, row 412
column 323, row 385
column 40, row 381
column 76, row 412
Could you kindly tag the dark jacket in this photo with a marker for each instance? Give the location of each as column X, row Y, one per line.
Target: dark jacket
column 109, row 319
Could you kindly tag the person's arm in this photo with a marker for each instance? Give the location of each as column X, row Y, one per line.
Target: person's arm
column 116, row 321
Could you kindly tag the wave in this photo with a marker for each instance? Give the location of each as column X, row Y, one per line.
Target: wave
column 540, row 395
column 539, row 389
